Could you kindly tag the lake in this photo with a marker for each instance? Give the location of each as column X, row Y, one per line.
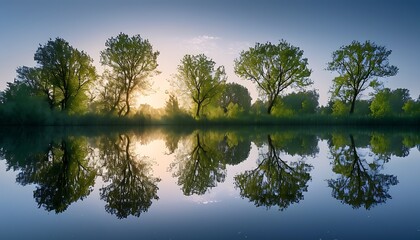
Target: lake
column 213, row 183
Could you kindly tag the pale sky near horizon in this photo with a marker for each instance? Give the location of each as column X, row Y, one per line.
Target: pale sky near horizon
column 219, row 29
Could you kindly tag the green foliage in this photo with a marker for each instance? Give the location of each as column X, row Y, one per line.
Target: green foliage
column 63, row 75
column 274, row 182
column 359, row 183
column 58, row 168
column 297, row 103
column 172, row 106
column 131, row 187
column 212, row 112
column 258, row 107
column 340, row 108
column 200, row 165
column 63, row 89
column 235, row 96
column 200, row 81
column 359, row 66
column 129, row 62
column 273, row 68
column 412, row 107
column 234, row 110
column 19, row 105
column 387, row 102
column 362, row 107
column 387, row 145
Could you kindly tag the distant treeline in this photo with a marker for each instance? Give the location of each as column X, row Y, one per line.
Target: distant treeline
column 64, row 87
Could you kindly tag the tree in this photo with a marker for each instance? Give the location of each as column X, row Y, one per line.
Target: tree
column 132, row 188
column 412, row 107
column 20, row 105
column 63, row 75
column 359, row 66
column 258, row 107
column 235, row 94
column 389, row 102
column 340, row 108
column 172, row 105
column 274, row 181
column 273, row 68
column 129, row 61
column 60, row 170
column 386, row 145
column 298, row 103
column 200, row 80
column 360, row 183
column 200, row 165
column 234, row 149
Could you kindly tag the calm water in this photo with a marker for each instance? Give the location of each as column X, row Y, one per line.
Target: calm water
column 241, row 183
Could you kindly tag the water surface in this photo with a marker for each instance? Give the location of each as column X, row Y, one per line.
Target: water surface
column 226, row 183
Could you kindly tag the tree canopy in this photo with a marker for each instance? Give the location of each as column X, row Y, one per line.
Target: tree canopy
column 298, row 103
column 389, row 102
column 62, row 76
column 360, row 183
column 273, row 68
column 200, row 80
column 274, row 182
column 129, row 61
column 235, row 94
column 359, row 66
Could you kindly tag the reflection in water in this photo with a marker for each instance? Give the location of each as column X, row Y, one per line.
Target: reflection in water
column 201, row 163
column 199, row 166
column 234, row 148
column 61, row 172
column 385, row 146
column 274, row 181
column 132, row 188
column 360, row 182
column 64, row 167
column 63, row 175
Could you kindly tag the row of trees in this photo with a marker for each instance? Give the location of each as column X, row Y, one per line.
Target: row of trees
column 65, row 79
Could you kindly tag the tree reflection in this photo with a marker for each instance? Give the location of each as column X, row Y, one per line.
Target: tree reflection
column 132, row 188
column 274, row 181
column 386, row 145
column 360, row 183
column 65, row 177
column 199, row 165
column 233, row 148
column 62, row 174
column 294, row 143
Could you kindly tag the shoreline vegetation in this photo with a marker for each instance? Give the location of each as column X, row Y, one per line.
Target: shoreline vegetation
column 185, row 120
column 64, row 88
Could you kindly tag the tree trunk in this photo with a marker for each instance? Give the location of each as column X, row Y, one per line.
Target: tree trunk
column 270, row 107
column 197, row 113
column 353, row 103
column 127, row 103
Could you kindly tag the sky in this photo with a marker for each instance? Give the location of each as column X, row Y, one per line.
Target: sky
column 219, row 29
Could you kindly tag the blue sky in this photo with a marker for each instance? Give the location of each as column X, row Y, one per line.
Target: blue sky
column 220, row 29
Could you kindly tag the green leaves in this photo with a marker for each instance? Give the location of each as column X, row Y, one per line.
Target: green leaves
column 387, row 102
column 131, row 60
column 274, row 68
column 359, row 65
column 200, row 80
column 274, row 182
column 235, row 94
column 62, row 76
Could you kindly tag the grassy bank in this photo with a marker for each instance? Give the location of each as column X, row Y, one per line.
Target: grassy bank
column 60, row 119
